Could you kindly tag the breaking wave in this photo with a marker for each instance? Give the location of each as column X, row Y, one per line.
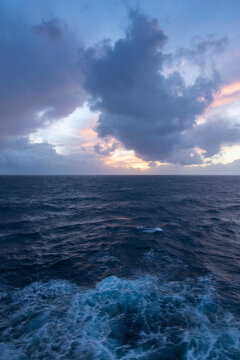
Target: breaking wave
column 150, row 230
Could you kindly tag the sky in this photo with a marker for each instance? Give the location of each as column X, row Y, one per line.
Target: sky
column 119, row 87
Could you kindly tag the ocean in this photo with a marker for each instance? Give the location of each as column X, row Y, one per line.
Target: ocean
column 119, row 267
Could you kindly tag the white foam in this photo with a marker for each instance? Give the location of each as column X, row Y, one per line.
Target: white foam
column 119, row 319
column 149, row 230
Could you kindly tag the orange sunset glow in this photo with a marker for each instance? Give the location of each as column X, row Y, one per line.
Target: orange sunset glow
column 228, row 94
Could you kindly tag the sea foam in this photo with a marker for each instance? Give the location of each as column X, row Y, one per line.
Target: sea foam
column 142, row 318
column 150, row 230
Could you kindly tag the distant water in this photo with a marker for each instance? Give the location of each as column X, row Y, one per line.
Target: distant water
column 107, row 267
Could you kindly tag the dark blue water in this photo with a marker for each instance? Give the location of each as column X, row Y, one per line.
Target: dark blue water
column 107, row 267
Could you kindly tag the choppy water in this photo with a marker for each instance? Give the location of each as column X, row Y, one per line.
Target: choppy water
column 107, row 267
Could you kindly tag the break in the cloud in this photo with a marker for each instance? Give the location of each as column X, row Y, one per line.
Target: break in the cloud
column 147, row 104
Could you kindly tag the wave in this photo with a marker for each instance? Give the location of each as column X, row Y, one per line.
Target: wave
column 150, row 230
column 142, row 318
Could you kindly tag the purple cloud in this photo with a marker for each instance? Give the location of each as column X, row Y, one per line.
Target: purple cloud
column 147, row 110
column 40, row 80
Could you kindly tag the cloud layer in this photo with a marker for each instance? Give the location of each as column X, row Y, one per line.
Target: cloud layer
column 144, row 104
column 20, row 157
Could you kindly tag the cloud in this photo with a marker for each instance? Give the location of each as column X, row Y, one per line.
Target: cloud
column 202, row 51
column 19, row 156
column 107, row 149
column 212, row 135
column 232, row 168
column 150, row 112
column 144, row 109
column 40, row 80
column 53, row 29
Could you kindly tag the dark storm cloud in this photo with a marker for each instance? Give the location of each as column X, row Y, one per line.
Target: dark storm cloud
column 148, row 111
column 39, row 78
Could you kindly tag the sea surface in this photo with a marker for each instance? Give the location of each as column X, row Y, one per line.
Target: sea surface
column 119, row 267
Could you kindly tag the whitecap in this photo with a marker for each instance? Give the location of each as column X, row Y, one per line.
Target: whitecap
column 149, row 230
column 153, row 230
